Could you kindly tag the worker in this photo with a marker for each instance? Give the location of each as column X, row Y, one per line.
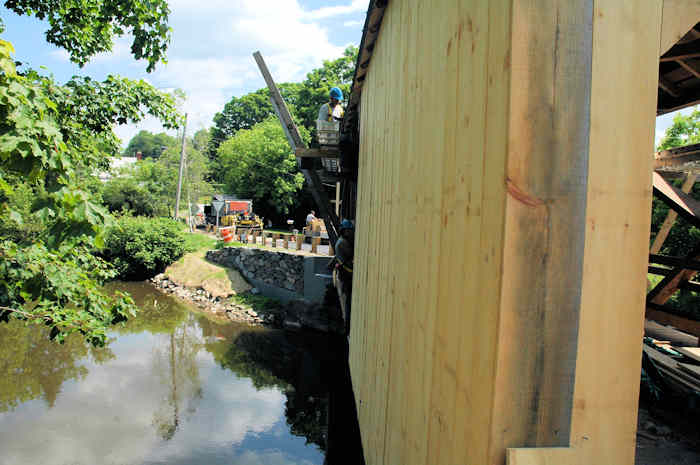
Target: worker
column 344, row 252
column 333, row 110
column 310, row 218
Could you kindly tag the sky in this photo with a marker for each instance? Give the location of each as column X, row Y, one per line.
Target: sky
column 210, row 56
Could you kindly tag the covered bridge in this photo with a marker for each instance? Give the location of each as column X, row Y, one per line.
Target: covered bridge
column 503, row 211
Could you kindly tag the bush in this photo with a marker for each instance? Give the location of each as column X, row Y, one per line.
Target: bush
column 140, row 248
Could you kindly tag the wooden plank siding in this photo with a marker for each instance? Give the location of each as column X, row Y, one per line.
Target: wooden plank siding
column 502, row 229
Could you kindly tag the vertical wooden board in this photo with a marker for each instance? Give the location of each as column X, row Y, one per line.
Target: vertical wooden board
column 449, row 246
column 678, row 17
column 545, row 223
column 393, row 445
column 410, row 158
column 397, row 249
column 377, row 428
column 617, row 235
column 481, row 55
column 434, row 93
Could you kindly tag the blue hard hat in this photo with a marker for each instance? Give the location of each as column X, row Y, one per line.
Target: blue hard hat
column 346, row 224
column 336, row 93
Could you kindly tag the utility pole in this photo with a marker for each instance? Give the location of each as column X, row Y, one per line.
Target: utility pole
column 182, row 166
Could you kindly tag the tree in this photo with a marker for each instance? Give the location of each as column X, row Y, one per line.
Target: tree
column 124, row 193
column 258, row 163
column 150, row 145
column 51, row 137
column 685, row 130
column 85, row 28
column 247, row 111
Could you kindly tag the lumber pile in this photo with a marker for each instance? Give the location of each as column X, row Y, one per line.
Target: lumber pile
column 679, row 366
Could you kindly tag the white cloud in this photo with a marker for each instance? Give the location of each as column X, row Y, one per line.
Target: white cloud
column 352, row 23
column 108, row 417
column 210, row 57
column 330, row 11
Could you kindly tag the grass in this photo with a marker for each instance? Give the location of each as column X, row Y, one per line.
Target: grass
column 257, row 302
column 196, row 242
column 279, row 231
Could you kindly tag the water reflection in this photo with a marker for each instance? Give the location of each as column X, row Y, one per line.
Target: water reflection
column 169, row 387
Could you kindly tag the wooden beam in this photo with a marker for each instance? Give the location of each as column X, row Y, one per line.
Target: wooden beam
column 679, row 17
column 661, row 315
column 684, row 56
column 669, row 87
column 674, row 157
column 682, row 203
column 688, row 68
column 673, row 280
column 303, row 152
column 675, row 262
column 671, row 218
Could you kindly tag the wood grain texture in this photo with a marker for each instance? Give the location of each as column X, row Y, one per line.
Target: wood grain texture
column 504, row 190
column 432, row 161
column 678, row 17
column 545, row 215
column 617, row 231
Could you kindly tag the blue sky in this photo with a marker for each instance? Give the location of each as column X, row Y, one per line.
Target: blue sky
column 210, row 56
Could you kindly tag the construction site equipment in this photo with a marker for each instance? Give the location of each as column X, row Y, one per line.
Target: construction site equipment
column 237, row 213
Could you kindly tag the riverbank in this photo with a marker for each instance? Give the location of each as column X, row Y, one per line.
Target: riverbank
column 234, row 283
column 240, row 308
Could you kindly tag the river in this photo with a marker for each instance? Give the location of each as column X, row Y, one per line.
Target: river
column 172, row 387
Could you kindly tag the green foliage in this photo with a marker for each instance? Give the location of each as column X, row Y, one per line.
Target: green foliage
column 150, row 145
column 257, row 163
column 53, row 140
column 685, row 130
column 127, row 194
column 87, row 27
column 140, row 248
column 59, row 288
column 247, row 111
column 155, row 179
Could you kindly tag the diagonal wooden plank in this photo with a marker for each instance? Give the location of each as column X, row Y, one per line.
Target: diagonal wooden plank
column 671, row 217
column 673, row 280
column 686, row 206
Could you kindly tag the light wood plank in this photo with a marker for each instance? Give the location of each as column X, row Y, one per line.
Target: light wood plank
column 692, row 352
column 619, row 200
column 679, row 17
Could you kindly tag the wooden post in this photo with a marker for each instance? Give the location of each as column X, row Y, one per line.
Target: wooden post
column 274, row 239
column 331, row 252
column 285, row 241
column 314, row 244
column 299, row 240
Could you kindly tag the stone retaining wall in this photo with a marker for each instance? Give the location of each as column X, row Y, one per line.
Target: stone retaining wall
column 278, row 269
